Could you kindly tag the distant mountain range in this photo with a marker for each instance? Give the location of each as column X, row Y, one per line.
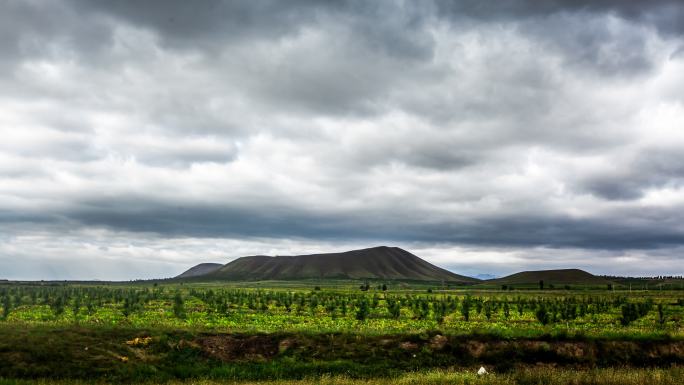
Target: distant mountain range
column 390, row 263
column 485, row 277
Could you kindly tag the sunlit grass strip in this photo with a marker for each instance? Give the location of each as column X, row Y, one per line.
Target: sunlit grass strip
column 670, row 376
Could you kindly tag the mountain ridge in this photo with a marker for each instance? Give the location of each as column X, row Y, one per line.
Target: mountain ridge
column 199, row 270
column 381, row 262
column 556, row 276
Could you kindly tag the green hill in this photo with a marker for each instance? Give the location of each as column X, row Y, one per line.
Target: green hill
column 382, row 262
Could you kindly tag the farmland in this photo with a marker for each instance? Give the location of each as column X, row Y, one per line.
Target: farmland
column 348, row 309
column 168, row 331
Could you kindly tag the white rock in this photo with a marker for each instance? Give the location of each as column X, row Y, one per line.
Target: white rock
column 482, row 371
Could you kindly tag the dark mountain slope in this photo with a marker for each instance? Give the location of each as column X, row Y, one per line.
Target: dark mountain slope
column 378, row 262
column 199, row 270
column 562, row 276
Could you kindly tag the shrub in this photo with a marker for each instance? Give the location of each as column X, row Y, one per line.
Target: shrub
column 178, row 306
column 363, row 311
column 543, row 315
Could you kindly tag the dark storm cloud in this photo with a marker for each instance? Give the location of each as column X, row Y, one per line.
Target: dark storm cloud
column 651, row 168
column 218, row 22
column 665, row 15
column 518, row 125
column 47, row 30
column 636, row 230
column 373, row 43
column 217, row 19
column 610, row 50
column 213, row 20
column 580, row 31
column 564, row 232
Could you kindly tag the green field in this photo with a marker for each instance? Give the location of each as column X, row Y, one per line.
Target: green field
column 337, row 332
column 546, row 376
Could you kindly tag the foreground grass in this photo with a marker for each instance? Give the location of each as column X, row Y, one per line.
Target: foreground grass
column 143, row 356
column 670, row 376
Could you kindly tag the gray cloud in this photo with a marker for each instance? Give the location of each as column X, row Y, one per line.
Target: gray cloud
column 661, row 14
column 650, row 168
column 149, row 133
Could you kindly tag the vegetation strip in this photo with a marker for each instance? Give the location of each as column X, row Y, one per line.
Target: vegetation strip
column 147, row 332
column 136, row 355
column 545, row 375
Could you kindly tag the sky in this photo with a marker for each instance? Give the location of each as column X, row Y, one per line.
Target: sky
column 140, row 138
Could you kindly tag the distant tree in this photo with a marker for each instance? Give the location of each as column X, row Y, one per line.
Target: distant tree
column 363, row 311
column 628, row 314
column 633, row 311
column 313, row 304
column 543, row 315
column 6, row 306
column 429, row 290
column 541, row 284
column 504, row 287
column 178, row 306
column 423, row 310
column 439, row 311
column 17, row 301
column 330, row 307
column 465, row 308
column 343, row 307
column 58, row 306
column 375, row 301
column 90, row 306
column 76, row 307
column 317, row 288
column 393, row 308
column 661, row 314
column 610, row 286
column 127, row 307
column 384, row 287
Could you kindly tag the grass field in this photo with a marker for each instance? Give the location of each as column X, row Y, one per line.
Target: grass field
column 523, row 377
column 339, row 332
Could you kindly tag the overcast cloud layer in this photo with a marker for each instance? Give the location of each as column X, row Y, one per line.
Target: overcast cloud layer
column 140, row 138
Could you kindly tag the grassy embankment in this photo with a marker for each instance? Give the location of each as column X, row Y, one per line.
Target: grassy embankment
column 137, row 355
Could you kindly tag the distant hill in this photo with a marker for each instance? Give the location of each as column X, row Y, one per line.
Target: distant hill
column 381, row 262
column 199, row 270
column 562, row 276
column 485, row 276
